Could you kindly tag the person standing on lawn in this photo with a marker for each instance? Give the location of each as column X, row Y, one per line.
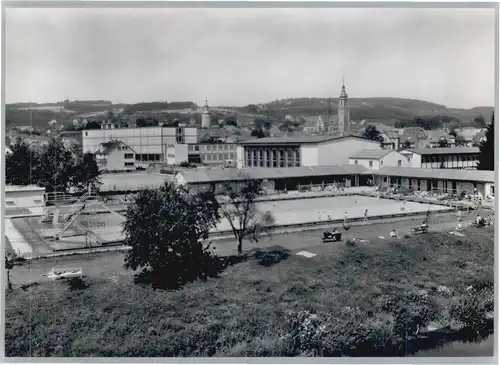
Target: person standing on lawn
column 366, row 216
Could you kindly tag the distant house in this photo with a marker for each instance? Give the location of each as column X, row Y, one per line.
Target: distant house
column 321, row 125
column 390, row 140
column 413, row 137
column 471, row 135
column 376, row 159
column 116, row 156
column 439, row 138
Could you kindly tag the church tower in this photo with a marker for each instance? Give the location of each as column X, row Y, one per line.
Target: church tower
column 206, row 120
column 343, row 112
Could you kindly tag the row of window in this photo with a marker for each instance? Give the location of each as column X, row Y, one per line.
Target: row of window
column 430, row 159
column 212, row 147
column 147, row 157
column 370, row 163
column 218, row 156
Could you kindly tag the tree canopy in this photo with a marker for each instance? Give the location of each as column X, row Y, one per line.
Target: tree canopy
column 487, row 148
column 20, row 165
column 241, row 211
column 371, row 132
column 165, row 229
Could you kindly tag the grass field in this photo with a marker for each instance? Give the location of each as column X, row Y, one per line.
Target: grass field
column 254, row 310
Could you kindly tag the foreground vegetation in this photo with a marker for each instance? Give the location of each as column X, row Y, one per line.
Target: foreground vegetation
column 367, row 300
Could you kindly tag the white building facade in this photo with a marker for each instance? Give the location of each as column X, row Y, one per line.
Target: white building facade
column 151, row 144
column 301, row 151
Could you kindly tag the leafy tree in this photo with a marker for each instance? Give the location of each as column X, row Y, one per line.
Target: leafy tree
column 110, row 115
column 165, row 228
column 19, row 166
column 85, row 172
column 241, row 211
column 93, row 124
column 443, row 142
column 487, row 148
column 480, row 121
column 371, row 132
column 231, row 120
column 55, row 167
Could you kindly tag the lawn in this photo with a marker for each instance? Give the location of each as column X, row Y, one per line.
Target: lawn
column 335, row 305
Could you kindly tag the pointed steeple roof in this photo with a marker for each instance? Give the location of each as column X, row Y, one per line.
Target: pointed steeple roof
column 343, row 93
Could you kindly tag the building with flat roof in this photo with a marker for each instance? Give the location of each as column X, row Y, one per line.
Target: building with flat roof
column 376, row 159
column 274, row 179
column 442, row 180
column 443, row 158
column 151, row 144
column 29, row 199
column 301, row 151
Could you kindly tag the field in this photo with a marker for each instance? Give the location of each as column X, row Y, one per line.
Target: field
column 253, row 309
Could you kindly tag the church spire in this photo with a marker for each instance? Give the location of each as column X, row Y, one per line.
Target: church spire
column 343, row 93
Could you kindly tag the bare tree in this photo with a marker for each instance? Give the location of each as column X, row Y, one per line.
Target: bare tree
column 241, row 212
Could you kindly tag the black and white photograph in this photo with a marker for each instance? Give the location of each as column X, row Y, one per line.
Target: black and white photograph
column 249, row 180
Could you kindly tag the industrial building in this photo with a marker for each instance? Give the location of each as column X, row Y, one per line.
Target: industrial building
column 443, row 158
column 301, row 151
column 444, row 180
column 150, row 145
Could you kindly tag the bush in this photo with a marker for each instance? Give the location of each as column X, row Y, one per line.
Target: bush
column 411, row 312
column 76, row 283
column 471, row 310
column 271, row 255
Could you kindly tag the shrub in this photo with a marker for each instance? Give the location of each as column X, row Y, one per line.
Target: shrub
column 76, row 283
column 411, row 312
column 271, row 255
column 471, row 310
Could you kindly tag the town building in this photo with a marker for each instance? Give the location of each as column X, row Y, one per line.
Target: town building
column 115, row 156
column 441, row 181
column 376, row 159
column 206, row 119
column 413, row 137
column 344, row 113
column 29, row 199
column 273, row 179
column 443, row 158
column 321, row 125
column 152, row 145
column 301, row 151
column 390, row 140
column 439, row 138
column 213, row 154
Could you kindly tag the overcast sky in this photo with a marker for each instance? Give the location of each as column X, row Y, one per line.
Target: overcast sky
column 243, row 56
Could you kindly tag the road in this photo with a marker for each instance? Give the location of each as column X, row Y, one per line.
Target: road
column 110, row 264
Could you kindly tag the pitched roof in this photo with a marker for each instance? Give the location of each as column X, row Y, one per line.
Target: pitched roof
column 300, row 139
column 371, row 154
column 436, row 134
column 450, row 174
column 444, row 150
column 222, row 175
column 111, row 145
